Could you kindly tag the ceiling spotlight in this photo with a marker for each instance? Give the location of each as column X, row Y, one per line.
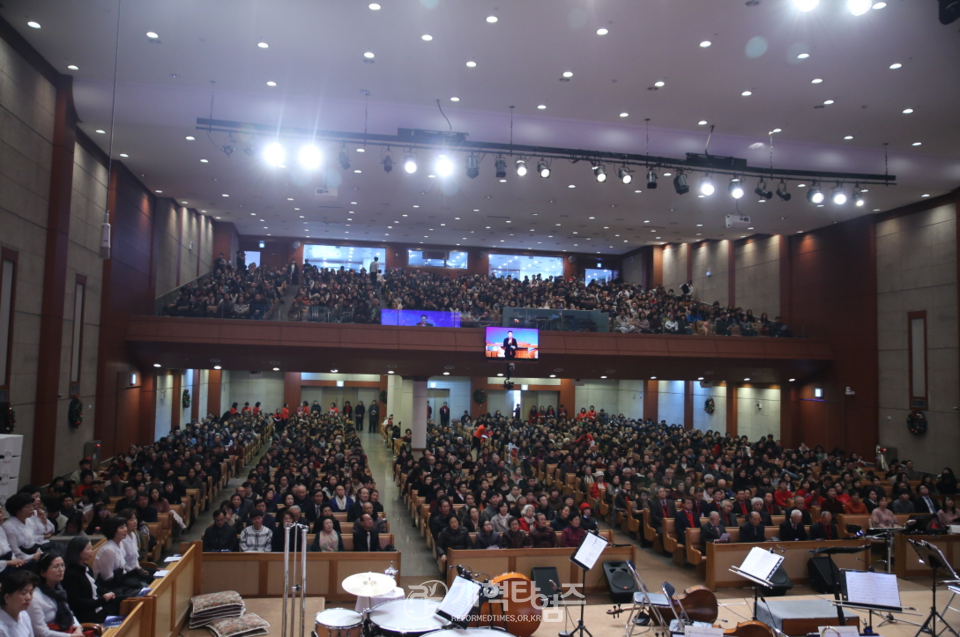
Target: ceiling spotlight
column 599, row 173
column 274, row 154
column 857, row 197
column 410, row 163
column 839, row 197
column 473, row 166
column 387, row 163
column 859, row 7
column 36, row 25
column 500, row 166
column 761, row 190
column 444, row 166
column 310, row 157
column 706, row 185
column 782, row 191
column 806, row 5
column 680, row 183
column 815, row 195
column 735, row 188
column 344, row 159
column 651, row 178
column 521, row 168
column 625, row 175
column 150, row 34
column 543, row 169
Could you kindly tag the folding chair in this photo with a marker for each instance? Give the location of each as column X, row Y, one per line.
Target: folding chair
column 681, row 619
column 645, row 611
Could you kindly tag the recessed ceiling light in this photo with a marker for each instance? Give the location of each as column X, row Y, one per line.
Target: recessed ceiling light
column 568, row 74
column 602, row 31
column 426, row 37
column 357, row 170
column 879, row 5
column 73, row 67
column 828, row 102
column 184, row 203
column 454, row 99
column 907, row 111
column 369, row 55
column 803, row 56
column 659, row 84
column 152, row 35
column 471, row 63
column 895, row 66
column 124, row 155
column 705, row 44
column 271, row 83
column 190, row 138
column 746, row 380
column 374, row 6
column 33, row 25
column 389, row 371
column 159, row 192
column 917, row 143
column 204, row 161
column 100, row 131
column 446, row 373
column 216, row 217
column 571, row 186
column 226, row 195
column 276, row 369
column 491, row 19
column 747, row 93
column 702, row 122
column 925, row 195
column 263, row 45
column 816, row 80
column 541, row 106
column 216, row 367
column 848, row 137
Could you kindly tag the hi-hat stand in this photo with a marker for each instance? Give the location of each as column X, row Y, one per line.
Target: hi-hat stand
column 292, row 592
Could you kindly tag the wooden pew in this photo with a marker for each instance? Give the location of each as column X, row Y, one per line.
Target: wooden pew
column 907, row 562
column 133, row 625
column 863, row 521
column 386, row 539
column 261, row 574
column 166, row 606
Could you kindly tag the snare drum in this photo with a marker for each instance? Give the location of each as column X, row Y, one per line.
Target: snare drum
column 406, row 617
column 339, row 622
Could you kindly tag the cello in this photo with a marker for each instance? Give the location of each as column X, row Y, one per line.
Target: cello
column 519, row 594
column 699, row 602
column 751, row 628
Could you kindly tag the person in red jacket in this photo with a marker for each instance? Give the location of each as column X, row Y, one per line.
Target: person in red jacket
column 782, row 494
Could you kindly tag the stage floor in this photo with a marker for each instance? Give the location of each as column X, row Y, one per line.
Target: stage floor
column 733, row 609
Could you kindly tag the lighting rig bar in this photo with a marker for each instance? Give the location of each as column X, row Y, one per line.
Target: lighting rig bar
column 451, row 141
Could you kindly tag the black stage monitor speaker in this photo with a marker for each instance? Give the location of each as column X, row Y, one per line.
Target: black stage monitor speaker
column 547, row 581
column 781, row 583
column 620, row 582
column 823, row 573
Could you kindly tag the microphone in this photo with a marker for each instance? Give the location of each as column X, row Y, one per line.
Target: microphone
column 782, row 550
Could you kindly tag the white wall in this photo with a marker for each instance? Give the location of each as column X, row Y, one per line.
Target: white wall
column 630, row 398
column 670, row 401
column 753, row 422
column 602, row 394
column 458, row 399
column 202, row 404
column 166, row 403
column 405, row 417
column 186, row 382
column 631, row 271
column 717, row 421
column 268, row 391
column 225, row 396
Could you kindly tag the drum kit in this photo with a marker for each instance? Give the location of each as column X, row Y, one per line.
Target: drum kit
column 417, row 617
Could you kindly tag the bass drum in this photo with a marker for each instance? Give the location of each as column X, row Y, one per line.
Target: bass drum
column 522, row 605
column 406, row 618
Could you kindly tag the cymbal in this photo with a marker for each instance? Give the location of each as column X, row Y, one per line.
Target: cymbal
column 369, row 584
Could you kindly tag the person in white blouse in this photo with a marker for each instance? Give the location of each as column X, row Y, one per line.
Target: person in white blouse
column 49, row 605
column 20, row 537
column 7, row 560
column 16, row 593
column 110, row 557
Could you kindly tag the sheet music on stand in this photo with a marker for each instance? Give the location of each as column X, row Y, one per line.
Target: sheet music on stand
column 759, row 566
column 877, row 590
column 589, row 551
column 460, row 600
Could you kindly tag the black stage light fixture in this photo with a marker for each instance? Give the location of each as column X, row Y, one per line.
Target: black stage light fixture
column 599, row 172
column 762, row 191
column 344, row 159
column 410, row 163
column 782, row 191
column 735, row 188
column 651, row 178
column 473, row 166
column 501, row 168
column 387, row 164
column 521, row 167
column 543, row 169
column 680, row 183
column 815, row 195
column 625, row 175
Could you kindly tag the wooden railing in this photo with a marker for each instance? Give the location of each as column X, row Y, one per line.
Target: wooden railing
column 165, row 608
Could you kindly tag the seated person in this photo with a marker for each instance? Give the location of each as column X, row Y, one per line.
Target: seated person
column 219, row 536
column 487, row 537
column 341, row 502
column 753, row 530
column 903, row 505
column 713, row 529
column 515, row 538
column 793, row 529
column 825, row 528
column 111, row 567
column 799, row 504
column 379, row 524
column 367, row 539
column 256, row 538
column 882, row 517
column 49, row 611
column 16, row 592
column 454, row 537
column 855, row 506
column 90, row 603
column 686, row 519
column 543, row 535
column 327, row 538
column 573, row 535
column 287, row 527
column 20, row 536
column 757, row 504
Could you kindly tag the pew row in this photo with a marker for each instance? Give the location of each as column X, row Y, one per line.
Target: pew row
column 261, row 574
column 133, row 625
column 907, row 563
column 165, row 608
column 522, row 561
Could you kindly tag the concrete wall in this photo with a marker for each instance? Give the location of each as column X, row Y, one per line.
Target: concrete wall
column 166, row 403
column 177, row 261
column 917, row 270
column 602, row 394
column 631, row 269
column 717, row 421
column 713, row 257
column 458, row 399
column 752, row 421
column 670, row 401
column 27, row 103
column 203, row 393
column 757, row 276
column 630, row 398
column 267, row 390
column 675, row 266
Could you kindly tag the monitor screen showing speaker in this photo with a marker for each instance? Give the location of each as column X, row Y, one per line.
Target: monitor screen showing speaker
column 519, row 343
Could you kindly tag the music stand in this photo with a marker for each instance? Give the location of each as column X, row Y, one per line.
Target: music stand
column 758, row 567
column 586, row 555
column 932, row 557
column 874, row 593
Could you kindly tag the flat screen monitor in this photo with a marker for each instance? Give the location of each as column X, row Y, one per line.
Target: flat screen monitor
column 514, row 343
column 419, row 318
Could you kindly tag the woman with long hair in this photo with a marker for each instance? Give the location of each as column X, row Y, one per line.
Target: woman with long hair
column 89, row 602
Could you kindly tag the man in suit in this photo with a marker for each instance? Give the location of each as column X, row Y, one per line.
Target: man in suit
column 757, row 504
column 799, row 504
column 367, row 539
column 424, row 322
column 753, row 530
column 685, row 519
column 825, row 529
column 792, row 529
column 742, row 506
column 444, row 416
column 509, row 346
column 716, row 504
column 713, row 530
column 924, row 503
column 727, row 516
column 903, row 505
column 661, row 509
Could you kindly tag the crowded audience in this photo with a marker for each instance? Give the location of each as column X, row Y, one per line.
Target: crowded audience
column 235, row 293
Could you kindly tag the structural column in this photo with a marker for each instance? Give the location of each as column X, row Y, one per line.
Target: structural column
column 731, row 409
column 419, row 424
column 394, row 398
column 688, row 404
